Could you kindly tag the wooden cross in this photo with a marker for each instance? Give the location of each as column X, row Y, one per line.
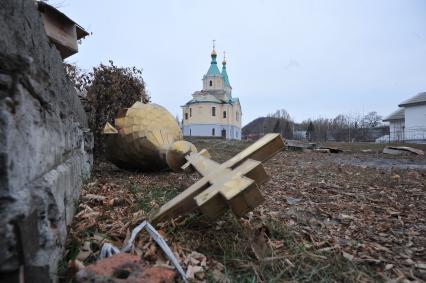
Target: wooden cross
column 234, row 183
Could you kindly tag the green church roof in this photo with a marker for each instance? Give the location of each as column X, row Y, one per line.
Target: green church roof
column 234, row 100
column 205, row 96
column 213, row 70
column 225, row 76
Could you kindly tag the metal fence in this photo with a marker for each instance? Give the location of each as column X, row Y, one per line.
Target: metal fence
column 412, row 135
column 343, row 134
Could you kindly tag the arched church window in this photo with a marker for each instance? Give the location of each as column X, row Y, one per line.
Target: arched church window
column 186, row 116
column 213, row 132
column 210, row 83
column 190, row 112
column 213, row 111
column 224, row 114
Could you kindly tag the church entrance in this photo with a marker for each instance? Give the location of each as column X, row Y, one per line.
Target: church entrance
column 224, row 133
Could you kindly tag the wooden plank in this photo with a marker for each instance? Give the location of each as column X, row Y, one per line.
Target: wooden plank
column 246, row 201
column 60, row 31
column 181, row 204
column 212, row 205
column 253, row 170
column 202, row 164
column 261, row 150
column 229, row 186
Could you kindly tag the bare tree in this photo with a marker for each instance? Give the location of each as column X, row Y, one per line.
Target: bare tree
column 371, row 120
column 109, row 89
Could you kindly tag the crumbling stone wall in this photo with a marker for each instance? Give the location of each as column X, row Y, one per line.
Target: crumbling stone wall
column 45, row 147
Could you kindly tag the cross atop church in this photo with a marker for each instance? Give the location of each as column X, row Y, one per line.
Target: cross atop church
column 214, row 43
column 234, row 183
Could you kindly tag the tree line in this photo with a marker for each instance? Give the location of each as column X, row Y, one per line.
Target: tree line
column 343, row 127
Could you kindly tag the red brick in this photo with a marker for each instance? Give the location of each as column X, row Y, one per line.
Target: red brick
column 124, row 268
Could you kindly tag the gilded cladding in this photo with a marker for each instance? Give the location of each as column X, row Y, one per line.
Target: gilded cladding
column 144, row 132
column 176, row 153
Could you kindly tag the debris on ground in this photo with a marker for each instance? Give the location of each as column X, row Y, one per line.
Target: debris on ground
column 322, row 150
column 127, row 268
column 108, row 249
column 401, row 150
column 298, row 145
column 328, row 149
column 338, row 217
column 197, row 265
column 292, row 200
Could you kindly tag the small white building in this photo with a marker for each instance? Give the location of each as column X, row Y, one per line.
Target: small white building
column 396, row 126
column 408, row 123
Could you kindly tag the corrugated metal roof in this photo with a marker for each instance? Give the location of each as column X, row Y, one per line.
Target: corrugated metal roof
column 397, row 115
column 418, row 99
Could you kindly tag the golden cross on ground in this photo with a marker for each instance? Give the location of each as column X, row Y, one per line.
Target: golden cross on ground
column 234, row 183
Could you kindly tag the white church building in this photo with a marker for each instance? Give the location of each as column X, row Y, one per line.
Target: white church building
column 212, row 111
column 408, row 123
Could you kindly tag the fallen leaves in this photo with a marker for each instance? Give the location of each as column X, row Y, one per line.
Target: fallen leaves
column 348, row 256
column 93, row 198
column 257, row 239
column 196, row 265
column 85, row 251
column 372, row 217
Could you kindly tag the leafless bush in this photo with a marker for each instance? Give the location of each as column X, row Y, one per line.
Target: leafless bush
column 109, row 89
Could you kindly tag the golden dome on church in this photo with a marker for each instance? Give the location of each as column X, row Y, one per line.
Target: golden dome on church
column 213, row 54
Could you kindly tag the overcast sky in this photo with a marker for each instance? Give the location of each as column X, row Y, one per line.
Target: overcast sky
column 312, row 58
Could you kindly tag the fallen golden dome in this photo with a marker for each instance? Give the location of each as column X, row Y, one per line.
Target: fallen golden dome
column 141, row 137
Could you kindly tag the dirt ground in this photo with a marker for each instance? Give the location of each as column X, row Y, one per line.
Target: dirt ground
column 345, row 217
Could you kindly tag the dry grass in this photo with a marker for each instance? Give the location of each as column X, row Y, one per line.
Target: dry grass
column 323, row 220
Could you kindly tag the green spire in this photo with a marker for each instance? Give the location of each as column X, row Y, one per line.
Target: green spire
column 213, row 70
column 224, row 73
